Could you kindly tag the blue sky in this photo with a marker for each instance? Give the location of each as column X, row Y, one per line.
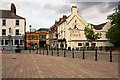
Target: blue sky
column 43, row 13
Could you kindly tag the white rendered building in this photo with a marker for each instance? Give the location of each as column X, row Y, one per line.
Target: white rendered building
column 12, row 29
column 70, row 32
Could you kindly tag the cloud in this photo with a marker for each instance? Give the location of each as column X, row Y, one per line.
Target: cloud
column 44, row 14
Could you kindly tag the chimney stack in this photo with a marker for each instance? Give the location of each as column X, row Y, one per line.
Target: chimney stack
column 74, row 10
column 13, row 8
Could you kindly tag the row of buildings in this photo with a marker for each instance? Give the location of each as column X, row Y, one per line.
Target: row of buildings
column 67, row 32
column 13, row 31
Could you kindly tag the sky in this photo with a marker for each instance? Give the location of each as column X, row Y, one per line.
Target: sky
column 43, row 13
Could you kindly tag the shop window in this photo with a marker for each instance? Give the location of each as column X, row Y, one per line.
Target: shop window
column 79, row 44
column 43, row 36
column 16, row 42
column 2, row 42
column 6, row 42
column 87, row 44
column 93, row 44
column 33, row 37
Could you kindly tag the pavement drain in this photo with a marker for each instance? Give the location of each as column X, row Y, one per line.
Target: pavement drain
column 13, row 58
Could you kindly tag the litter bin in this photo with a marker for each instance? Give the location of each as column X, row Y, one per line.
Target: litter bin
column 17, row 50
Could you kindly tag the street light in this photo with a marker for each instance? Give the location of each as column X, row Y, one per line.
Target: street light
column 70, row 29
column 9, row 36
column 30, row 37
column 30, row 27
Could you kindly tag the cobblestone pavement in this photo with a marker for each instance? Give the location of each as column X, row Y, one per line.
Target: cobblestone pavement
column 47, row 66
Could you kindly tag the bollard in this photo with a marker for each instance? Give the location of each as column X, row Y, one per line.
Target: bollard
column 52, row 52
column 40, row 51
column 47, row 51
column 37, row 51
column 43, row 51
column 57, row 52
column 95, row 54
column 110, row 55
column 83, row 54
column 73, row 54
column 65, row 53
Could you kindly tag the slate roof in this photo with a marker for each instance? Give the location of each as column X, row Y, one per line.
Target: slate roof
column 43, row 29
column 100, row 26
column 7, row 14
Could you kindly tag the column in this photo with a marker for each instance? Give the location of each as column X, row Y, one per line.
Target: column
column 3, row 42
column 19, row 41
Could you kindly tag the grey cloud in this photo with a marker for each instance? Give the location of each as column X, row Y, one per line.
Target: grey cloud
column 64, row 9
column 86, row 5
column 111, row 6
column 58, row 8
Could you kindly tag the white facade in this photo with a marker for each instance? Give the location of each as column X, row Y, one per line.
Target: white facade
column 12, row 29
column 72, row 30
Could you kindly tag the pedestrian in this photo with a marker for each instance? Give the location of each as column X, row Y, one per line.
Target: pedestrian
column 1, row 52
column 73, row 48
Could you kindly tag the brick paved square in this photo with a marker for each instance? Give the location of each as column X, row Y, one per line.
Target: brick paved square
column 46, row 66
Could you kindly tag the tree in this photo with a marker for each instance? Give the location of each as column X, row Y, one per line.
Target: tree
column 91, row 35
column 114, row 31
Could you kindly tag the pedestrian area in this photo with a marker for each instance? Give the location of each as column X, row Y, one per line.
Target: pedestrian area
column 17, row 65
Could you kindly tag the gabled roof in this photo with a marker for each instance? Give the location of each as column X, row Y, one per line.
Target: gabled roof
column 100, row 26
column 9, row 15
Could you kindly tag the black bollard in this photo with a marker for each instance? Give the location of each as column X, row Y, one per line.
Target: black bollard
column 37, row 50
column 73, row 54
column 64, row 52
column 47, row 51
column 110, row 55
column 52, row 52
column 43, row 51
column 95, row 54
column 40, row 51
column 57, row 52
column 83, row 54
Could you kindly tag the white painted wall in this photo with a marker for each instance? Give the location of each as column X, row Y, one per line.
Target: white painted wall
column 64, row 32
column 11, row 23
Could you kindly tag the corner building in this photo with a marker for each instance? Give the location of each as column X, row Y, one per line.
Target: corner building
column 70, row 32
column 12, row 29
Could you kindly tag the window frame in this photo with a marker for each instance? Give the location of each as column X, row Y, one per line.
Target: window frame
column 17, row 23
column 4, row 23
column 4, row 32
column 16, row 32
column 79, row 44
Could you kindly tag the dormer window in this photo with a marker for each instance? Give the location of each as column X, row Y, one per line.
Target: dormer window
column 17, row 22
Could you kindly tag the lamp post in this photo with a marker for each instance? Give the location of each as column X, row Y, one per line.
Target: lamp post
column 70, row 36
column 9, row 36
column 30, row 38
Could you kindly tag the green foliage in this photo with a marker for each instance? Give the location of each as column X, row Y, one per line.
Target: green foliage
column 114, row 32
column 114, row 35
column 115, row 17
column 91, row 35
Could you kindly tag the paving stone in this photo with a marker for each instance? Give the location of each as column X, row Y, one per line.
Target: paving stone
column 43, row 66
